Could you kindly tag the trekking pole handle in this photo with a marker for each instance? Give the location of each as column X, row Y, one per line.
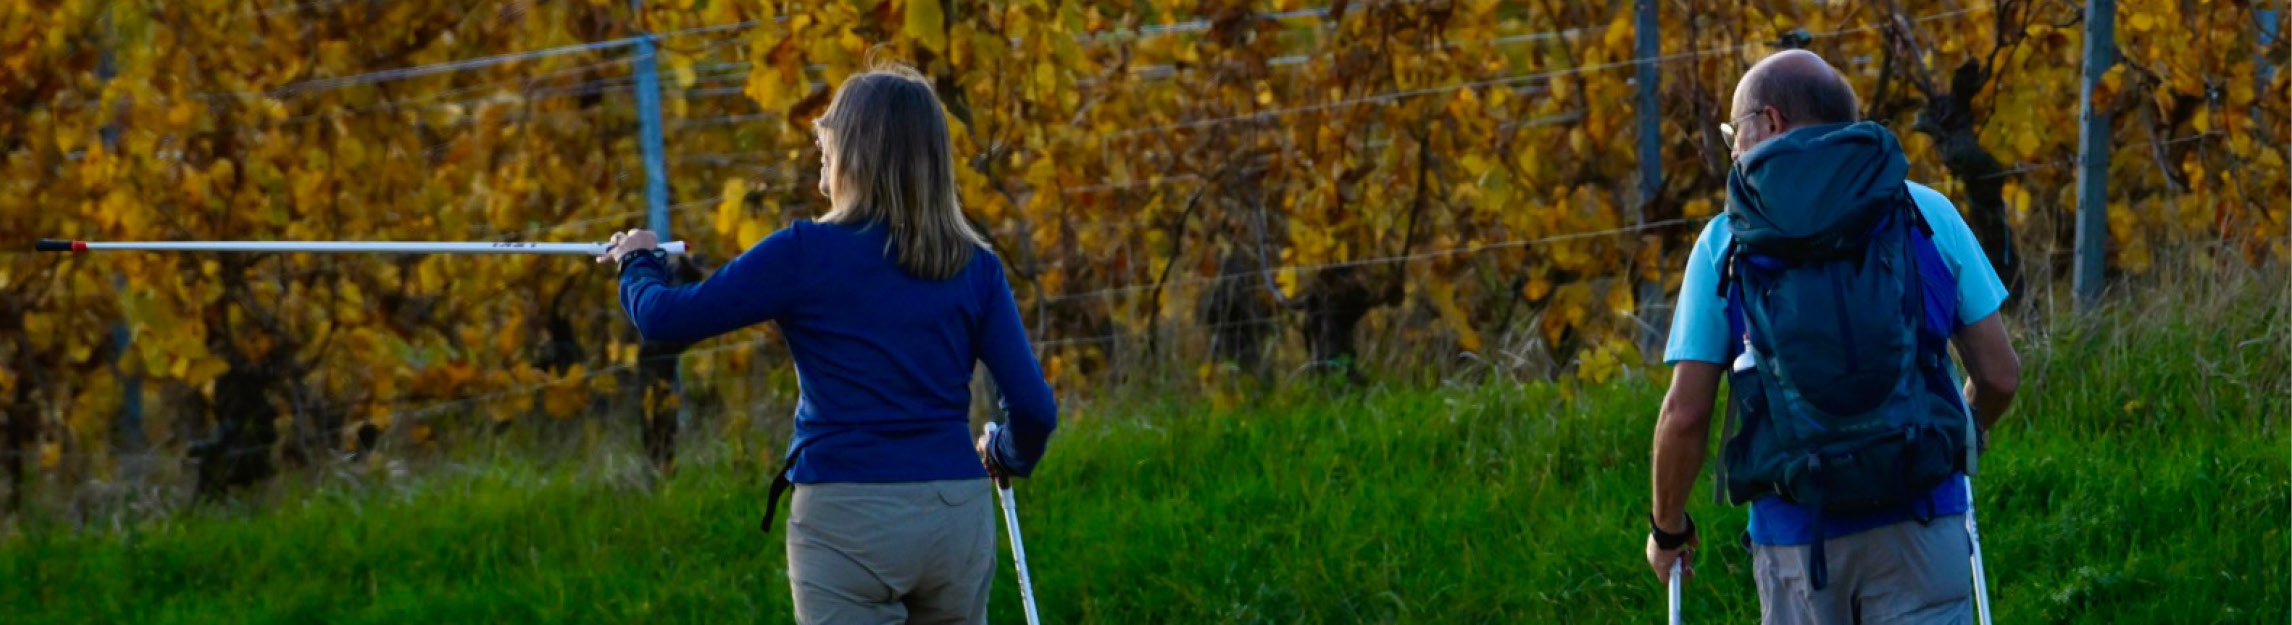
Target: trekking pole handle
column 1002, row 483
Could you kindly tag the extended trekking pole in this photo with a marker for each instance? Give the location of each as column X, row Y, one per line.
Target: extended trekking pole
column 1675, row 592
column 1974, row 444
column 340, row 247
column 1981, row 582
column 1018, row 549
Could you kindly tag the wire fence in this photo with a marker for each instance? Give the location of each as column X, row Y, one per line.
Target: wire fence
column 1395, row 96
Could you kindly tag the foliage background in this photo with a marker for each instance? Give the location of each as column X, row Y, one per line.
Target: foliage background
column 1191, row 195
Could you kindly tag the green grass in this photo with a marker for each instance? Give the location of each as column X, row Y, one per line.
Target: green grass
column 2142, row 478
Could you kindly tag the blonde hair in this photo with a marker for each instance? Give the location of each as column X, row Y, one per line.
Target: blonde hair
column 893, row 165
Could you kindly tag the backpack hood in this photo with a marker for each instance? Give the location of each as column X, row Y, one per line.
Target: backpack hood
column 1815, row 190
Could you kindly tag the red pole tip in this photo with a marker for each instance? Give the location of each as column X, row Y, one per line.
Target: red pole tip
column 79, row 246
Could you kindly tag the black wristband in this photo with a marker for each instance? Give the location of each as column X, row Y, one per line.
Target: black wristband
column 1668, row 541
column 655, row 253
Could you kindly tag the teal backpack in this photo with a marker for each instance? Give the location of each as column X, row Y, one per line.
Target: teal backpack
column 1841, row 391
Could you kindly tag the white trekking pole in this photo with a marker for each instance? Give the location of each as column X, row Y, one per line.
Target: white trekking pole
column 1981, row 581
column 340, row 247
column 1675, row 592
column 1974, row 444
column 1018, row 548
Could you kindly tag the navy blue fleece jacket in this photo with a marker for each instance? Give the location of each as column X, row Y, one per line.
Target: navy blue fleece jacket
column 883, row 358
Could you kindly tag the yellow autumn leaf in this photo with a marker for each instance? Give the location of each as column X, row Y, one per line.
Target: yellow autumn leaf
column 204, row 369
column 1598, row 365
column 2025, row 143
column 2240, row 93
column 927, row 24
column 1620, row 301
column 1536, row 288
column 182, row 113
column 40, row 329
column 681, row 71
column 430, row 278
column 1443, row 296
column 729, row 203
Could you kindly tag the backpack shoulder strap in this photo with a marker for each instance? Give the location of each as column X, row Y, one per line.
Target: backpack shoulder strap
column 1731, row 290
column 1917, row 215
column 1937, row 284
column 1938, row 287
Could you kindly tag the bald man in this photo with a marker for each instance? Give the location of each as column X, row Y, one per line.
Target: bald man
column 1805, row 164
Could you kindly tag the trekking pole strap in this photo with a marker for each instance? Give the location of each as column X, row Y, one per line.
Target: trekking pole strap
column 780, row 486
column 1668, row 541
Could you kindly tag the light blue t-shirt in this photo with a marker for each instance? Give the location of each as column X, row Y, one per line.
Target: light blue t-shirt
column 1699, row 332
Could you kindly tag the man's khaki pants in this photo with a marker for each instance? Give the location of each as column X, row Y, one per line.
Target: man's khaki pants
column 1906, row 573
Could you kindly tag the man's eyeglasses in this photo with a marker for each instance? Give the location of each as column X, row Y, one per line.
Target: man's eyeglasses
column 1727, row 130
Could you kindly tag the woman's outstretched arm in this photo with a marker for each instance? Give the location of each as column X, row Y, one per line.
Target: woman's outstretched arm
column 755, row 287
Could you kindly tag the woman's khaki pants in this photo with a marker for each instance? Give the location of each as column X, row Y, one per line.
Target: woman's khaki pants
column 882, row 554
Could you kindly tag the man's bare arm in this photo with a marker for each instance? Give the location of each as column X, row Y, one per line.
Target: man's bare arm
column 1993, row 370
column 1682, row 439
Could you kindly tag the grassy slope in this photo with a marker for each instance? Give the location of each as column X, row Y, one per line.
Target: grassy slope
column 2142, row 479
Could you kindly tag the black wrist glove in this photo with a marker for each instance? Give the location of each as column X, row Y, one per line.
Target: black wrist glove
column 1668, row 541
column 655, row 253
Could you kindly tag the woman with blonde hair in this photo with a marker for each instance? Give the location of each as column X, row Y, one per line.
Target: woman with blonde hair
column 887, row 301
